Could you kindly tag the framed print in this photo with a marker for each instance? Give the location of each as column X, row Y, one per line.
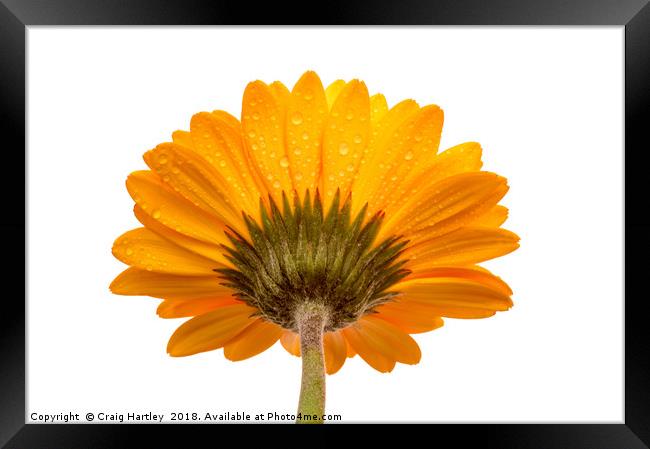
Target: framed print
column 414, row 214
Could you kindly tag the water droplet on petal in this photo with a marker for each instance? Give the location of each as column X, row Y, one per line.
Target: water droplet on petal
column 251, row 134
column 297, row 151
column 350, row 167
column 358, row 139
column 276, row 184
column 222, row 163
column 305, row 136
column 156, row 214
column 284, row 162
column 343, row 149
column 349, row 115
column 408, row 156
column 298, row 176
column 296, row 118
column 255, row 116
column 162, row 159
column 129, row 251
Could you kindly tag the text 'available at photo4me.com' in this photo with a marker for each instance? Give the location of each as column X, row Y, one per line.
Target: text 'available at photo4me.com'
column 172, row 417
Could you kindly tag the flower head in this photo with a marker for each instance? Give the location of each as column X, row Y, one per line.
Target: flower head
column 319, row 202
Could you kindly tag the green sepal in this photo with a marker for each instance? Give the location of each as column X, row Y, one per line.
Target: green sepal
column 299, row 254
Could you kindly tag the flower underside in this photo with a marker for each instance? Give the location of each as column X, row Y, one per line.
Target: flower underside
column 307, row 267
column 300, row 255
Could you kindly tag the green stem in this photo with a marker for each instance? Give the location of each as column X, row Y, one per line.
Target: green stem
column 311, row 320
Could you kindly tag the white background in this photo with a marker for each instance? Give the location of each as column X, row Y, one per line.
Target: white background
column 545, row 103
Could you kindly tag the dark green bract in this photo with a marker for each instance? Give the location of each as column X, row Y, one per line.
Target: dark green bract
column 300, row 255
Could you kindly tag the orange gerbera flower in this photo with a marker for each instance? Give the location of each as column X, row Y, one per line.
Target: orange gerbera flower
column 324, row 220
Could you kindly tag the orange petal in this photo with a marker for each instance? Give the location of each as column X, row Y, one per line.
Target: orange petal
column 350, row 350
column 228, row 119
column 381, row 149
column 146, row 250
column 494, row 218
column 366, row 351
column 378, row 108
column 165, row 206
column 409, row 319
column 389, row 340
column 455, row 296
column 281, row 93
column 199, row 182
column 263, row 125
column 332, row 92
column 467, row 245
column 430, row 310
column 291, row 342
column 306, row 114
column 346, row 135
column 208, row 250
column 410, row 155
column 217, row 138
column 473, row 273
column 183, row 138
column 180, row 308
column 449, row 311
column 446, row 206
column 335, row 349
column 136, row 282
column 462, row 158
column 461, row 312
column 210, row 331
column 256, row 338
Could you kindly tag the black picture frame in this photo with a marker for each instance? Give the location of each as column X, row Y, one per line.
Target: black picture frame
column 16, row 15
